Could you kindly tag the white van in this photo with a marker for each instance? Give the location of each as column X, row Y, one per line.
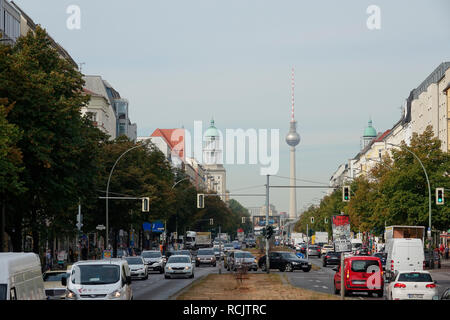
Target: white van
column 99, row 280
column 21, row 276
column 404, row 254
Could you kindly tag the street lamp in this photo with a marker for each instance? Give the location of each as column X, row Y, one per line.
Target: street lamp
column 429, row 187
column 176, row 217
column 107, row 188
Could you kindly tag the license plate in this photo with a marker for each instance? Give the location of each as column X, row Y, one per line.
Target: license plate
column 415, row 296
column 359, row 282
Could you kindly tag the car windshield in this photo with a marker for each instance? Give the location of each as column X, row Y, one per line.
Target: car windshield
column 288, row 255
column 179, row 260
column 94, row 274
column 363, row 265
column 228, row 245
column 182, row 252
column 2, row 291
column 414, row 277
column 151, row 254
column 381, row 255
column 205, row 253
column 54, row 276
column 134, row 260
column 243, row 255
column 332, row 253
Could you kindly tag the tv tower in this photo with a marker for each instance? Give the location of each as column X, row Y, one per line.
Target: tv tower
column 292, row 139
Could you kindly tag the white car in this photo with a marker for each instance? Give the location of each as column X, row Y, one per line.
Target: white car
column 99, row 280
column 326, row 248
column 179, row 265
column 412, row 285
column 138, row 268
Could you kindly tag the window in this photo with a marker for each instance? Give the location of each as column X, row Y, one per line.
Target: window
column 363, row 265
column 3, row 288
column 415, row 277
column 95, row 274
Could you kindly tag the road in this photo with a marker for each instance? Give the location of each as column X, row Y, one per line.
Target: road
column 156, row 287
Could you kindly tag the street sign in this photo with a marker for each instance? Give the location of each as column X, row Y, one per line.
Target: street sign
column 100, row 227
column 342, row 246
column 107, row 254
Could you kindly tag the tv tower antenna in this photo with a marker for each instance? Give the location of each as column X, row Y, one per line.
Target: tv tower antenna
column 293, row 88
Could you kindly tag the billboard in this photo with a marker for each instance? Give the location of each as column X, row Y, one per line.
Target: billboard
column 341, row 233
column 259, row 222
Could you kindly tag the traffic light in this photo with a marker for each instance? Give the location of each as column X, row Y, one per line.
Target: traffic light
column 146, row 204
column 243, row 219
column 264, row 232
column 269, row 232
column 346, row 193
column 326, row 220
column 312, row 219
column 439, row 196
column 200, row 201
column 211, row 222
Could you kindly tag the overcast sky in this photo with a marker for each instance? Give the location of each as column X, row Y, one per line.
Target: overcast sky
column 178, row 61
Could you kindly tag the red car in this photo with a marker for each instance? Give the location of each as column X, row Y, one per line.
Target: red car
column 361, row 274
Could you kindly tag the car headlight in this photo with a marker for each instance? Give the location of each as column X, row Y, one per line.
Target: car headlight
column 187, row 268
column 255, row 261
column 70, row 294
column 116, row 294
column 169, row 268
column 294, row 262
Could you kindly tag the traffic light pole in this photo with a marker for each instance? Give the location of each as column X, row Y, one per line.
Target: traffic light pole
column 267, row 225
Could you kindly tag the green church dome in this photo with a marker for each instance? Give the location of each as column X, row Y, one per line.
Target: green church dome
column 370, row 131
column 212, row 130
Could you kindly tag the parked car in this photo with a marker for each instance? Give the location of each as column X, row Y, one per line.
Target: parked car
column 240, row 259
column 54, row 290
column 446, row 294
column 284, row 261
column 154, row 260
column 21, row 276
column 383, row 257
column 205, row 256
column 314, row 250
column 362, row 274
column 99, row 280
column 138, row 268
column 428, row 258
column 412, row 285
column 326, row 248
column 179, row 265
column 331, row 258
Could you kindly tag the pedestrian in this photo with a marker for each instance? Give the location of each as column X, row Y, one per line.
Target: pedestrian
column 441, row 249
column 71, row 255
column 446, row 252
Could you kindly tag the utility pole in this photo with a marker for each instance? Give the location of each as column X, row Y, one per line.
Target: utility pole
column 267, row 225
column 307, row 241
column 220, row 250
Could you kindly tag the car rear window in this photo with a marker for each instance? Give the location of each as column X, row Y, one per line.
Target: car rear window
column 415, row 277
column 205, row 252
column 363, row 265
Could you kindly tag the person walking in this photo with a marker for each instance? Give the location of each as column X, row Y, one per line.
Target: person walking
column 446, row 252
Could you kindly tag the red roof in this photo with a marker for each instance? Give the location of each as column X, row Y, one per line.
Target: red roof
column 381, row 138
column 174, row 138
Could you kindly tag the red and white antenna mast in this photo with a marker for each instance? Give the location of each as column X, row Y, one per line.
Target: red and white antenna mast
column 293, row 87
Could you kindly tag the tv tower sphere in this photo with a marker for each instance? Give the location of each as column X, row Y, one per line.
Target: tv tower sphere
column 293, row 138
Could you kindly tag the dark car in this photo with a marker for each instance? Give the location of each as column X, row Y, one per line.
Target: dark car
column 363, row 251
column 436, row 260
column 302, row 248
column 331, row 258
column 383, row 257
column 205, row 256
column 446, row 294
column 284, row 261
column 250, row 243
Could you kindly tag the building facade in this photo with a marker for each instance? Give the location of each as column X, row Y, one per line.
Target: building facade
column 100, row 112
column 9, row 23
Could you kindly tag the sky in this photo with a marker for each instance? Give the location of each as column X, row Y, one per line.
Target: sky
column 182, row 61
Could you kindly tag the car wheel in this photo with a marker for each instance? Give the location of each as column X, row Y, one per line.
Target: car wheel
column 161, row 271
column 380, row 293
column 288, row 268
column 336, row 291
column 263, row 267
column 166, row 276
column 192, row 275
column 214, row 265
column 324, row 264
column 307, row 269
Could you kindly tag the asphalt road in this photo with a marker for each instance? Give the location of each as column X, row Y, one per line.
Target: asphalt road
column 156, row 287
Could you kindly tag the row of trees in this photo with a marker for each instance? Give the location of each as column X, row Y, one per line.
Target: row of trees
column 53, row 159
column 395, row 192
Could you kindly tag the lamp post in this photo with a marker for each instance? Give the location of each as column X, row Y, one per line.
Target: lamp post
column 107, row 190
column 429, row 187
column 176, row 216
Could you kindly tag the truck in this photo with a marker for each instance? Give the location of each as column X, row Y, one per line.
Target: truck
column 203, row 240
column 189, row 239
column 297, row 238
column 321, row 238
column 393, row 232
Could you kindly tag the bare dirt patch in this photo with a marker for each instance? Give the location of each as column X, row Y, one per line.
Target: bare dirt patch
column 254, row 287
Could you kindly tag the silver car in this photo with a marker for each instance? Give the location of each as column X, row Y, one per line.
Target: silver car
column 138, row 268
column 205, row 256
column 314, row 250
column 179, row 266
column 154, row 260
column 240, row 259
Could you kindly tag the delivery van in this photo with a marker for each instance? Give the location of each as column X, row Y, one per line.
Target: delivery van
column 21, row 276
column 99, row 280
column 404, row 254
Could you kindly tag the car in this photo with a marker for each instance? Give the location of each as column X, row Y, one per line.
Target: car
column 239, row 259
column 236, row 245
column 363, row 251
column 54, row 290
column 405, row 254
column 331, row 258
column 362, row 274
column 205, row 256
column 218, row 253
column 138, row 267
column 108, row 279
column 446, row 294
column 412, row 285
column 436, row 260
column 154, row 260
column 228, row 246
column 326, row 248
column 314, row 250
column 179, row 266
column 250, row 243
column 284, row 261
column 181, row 252
column 383, row 257
column 302, row 248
